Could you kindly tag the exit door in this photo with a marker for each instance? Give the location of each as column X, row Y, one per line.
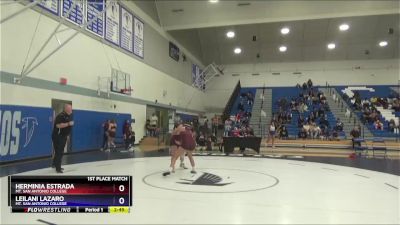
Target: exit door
column 58, row 106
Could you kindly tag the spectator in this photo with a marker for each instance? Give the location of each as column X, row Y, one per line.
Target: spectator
column 283, row 134
column 396, row 105
column 112, row 129
column 205, row 126
column 378, row 125
column 315, row 131
column 250, row 98
column 228, row 123
column 339, row 126
column 148, row 128
column 324, row 134
column 209, row 144
column 393, row 127
column 300, row 121
column 324, row 121
column 304, row 86
column 196, row 125
column 129, row 135
column 236, row 132
column 309, row 83
column 271, row 132
column 154, row 124
column 348, row 113
column 306, row 128
column 335, row 135
column 221, row 144
column 106, row 125
column 355, row 133
column 302, row 133
column 321, row 112
column 201, row 140
column 214, row 126
column 250, row 131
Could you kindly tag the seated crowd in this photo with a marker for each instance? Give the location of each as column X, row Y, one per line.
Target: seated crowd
column 238, row 125
column 312, row 106
column 370, row 113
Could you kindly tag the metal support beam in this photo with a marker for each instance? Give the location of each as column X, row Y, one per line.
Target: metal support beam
column 11, row 2
column 68, row 40
column 23, row 73
column 30, row 5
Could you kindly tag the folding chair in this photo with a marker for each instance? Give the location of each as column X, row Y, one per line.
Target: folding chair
column 360, row 146
column 379, row 145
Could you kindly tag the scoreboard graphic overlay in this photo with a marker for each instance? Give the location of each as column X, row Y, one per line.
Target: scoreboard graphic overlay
column 70, row 194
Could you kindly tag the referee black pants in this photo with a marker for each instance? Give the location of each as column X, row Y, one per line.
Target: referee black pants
column 59, row 145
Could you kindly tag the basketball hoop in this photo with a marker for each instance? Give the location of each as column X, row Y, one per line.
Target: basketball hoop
column 126, row 91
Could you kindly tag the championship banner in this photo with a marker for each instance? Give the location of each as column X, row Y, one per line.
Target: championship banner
column 93, row 8
column 76, row 14
column 126, row 30
column 50, row 5
column 112, row 22
column 138, row 42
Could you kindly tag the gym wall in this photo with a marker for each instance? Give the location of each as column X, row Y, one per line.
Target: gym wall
column 81, row 61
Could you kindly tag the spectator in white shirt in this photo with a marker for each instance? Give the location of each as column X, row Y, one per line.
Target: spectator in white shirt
column 153, row 124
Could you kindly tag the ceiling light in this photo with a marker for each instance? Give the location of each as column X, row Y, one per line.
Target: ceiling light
column 285, row 30
column 213, row 1
column 383, row 43
column 331, row 46
column 230, row 34
column 283, row 48
column 343, row 27
column 237, row 50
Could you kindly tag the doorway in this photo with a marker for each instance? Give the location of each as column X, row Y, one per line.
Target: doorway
column 58, row 106
column 164, row 116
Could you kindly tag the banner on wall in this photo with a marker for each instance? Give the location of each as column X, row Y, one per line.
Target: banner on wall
column 174, row 51
column 76, row 14
column 93, row 8
column 138, row 41
column 126, row 30
column 117, row 25
column 112, row 22
column 50, row 5
column 197, row 77
column 25, row 132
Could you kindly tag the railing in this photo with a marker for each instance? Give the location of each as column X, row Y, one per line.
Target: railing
column 260, row 128
column 262, row 104
column 231, row 101
column 345, row 107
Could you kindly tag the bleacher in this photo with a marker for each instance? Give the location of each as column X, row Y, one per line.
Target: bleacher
column 288, row 93
column 293, row 92
column 229, row 105
column 368, row 92
column 247, row 108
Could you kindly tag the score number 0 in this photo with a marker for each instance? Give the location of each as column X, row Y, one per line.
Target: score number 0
column 121, row 200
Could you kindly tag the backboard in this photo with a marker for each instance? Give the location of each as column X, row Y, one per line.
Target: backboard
column 120, row 82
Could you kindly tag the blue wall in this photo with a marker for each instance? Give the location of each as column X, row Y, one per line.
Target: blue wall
column 26, row 131
column 186, row 117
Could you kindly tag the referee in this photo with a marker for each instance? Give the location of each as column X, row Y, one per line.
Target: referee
column 61, row 131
